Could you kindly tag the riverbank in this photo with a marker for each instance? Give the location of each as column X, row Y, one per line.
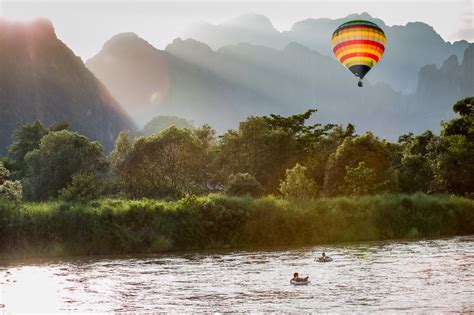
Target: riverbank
column 112, row 226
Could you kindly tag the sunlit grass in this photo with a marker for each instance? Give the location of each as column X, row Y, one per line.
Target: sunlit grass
column 218, row 221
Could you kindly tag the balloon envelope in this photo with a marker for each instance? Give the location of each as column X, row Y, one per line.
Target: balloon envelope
column 358, row 45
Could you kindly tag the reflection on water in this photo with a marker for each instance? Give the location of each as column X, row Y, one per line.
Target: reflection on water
column 421, row 276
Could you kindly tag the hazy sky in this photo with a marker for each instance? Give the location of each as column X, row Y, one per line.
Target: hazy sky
column 85, row 25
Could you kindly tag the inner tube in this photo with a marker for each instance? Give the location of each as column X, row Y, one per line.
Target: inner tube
column 326, row 259
column 299, row 282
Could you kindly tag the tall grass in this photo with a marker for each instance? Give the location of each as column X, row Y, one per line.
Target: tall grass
column 219, row 221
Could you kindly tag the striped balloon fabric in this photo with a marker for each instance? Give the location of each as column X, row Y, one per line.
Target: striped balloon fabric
column 358, row 45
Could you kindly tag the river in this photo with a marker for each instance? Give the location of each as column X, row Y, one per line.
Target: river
column 411, row 276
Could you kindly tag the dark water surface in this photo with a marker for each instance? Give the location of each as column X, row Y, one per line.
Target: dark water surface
column 411, row 276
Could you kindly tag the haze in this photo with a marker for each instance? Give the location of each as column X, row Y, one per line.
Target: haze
column 85, row 26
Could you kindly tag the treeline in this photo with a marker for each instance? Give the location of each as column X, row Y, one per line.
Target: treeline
column 273, row 181
column 265, row 155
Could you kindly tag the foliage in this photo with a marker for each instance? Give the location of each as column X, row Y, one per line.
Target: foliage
column 415, row 174
column 260, row 150
column 365, row 148
column 60, row 155
column 161, row 164
column 9, row 189
column 454, row 158
column 171, row 162
column 243, row 184
column 360, row 180
column 218, row 221
column 83, row 187
column 297, row 185
column 26, row 138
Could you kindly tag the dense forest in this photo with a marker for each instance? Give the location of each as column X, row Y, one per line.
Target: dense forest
column 275, row 180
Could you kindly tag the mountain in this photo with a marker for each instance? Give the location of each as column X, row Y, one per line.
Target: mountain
column 41, row 78
column 137, row 84
column 174, row 87
column 225, row 86
column 248, row 28
column 446, row 84
column 408, row 48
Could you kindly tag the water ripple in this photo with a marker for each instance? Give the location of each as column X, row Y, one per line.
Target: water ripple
column 419, row 276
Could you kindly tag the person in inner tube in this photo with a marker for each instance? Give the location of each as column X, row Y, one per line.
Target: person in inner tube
column 297, row 278
column 323, row 257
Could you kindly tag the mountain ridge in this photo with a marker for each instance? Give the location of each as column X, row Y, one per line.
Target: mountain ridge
column 41, row 78
column 223, row 86
column 409, row 46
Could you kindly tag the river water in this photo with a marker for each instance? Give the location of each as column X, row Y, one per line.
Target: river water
column 411, row 276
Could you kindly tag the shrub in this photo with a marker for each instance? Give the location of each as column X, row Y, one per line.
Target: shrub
column 220, row 221
column 83, row 187
column 243, row 184
column 9, row 189
column 297, row 185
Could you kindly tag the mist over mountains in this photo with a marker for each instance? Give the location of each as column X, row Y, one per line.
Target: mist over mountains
column 408, row 48
column 228, row 72
column 223, row 86
column 41, row 78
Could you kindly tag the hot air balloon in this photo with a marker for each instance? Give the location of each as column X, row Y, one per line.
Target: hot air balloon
column 358, row 45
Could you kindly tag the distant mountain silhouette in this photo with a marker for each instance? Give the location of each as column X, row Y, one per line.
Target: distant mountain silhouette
column 184, row 89
column 408, row 48
column 444, row 85
column 136, row 73
column 248, row 28
column 225, row 86
column 41, row 78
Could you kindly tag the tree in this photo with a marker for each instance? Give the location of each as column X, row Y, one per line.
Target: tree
column 297, row 185
column 415, row 164
column 243, row 184
column 321, row 151
column 361, row 180
column 83, row 187
column 259, row 150
column 454, row 153
column 26, row 138
column 122, row 147
column 160, row 165
column 9, row 189
column 365, row 148
column 60, row 155
column 415, row 174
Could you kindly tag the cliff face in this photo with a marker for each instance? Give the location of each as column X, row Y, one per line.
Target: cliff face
column 41, row 78
column 447, row 84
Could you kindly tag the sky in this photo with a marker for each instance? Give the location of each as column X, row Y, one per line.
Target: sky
column 86, row 25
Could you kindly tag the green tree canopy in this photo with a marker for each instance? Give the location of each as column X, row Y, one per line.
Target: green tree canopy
column 60, row 155
column 26, row 138
column 365, row 148
column 360, row 180
column 297, row 185
column 9, row 189
column 161, row 164
column 260, row 150
column 243, row 184
column 454, row 157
